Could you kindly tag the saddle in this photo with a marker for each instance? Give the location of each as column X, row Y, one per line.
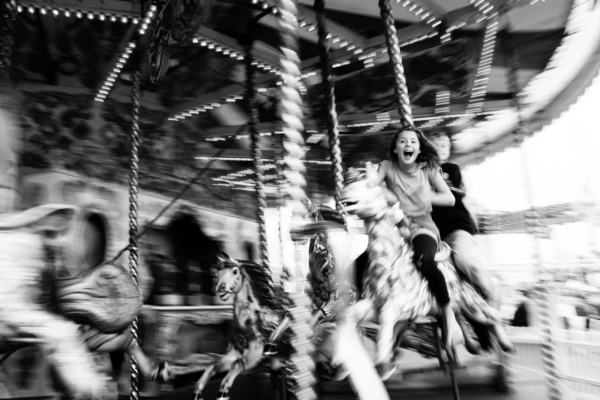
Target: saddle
column 47, row 217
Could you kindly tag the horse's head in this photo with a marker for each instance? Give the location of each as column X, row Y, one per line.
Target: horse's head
column 363, row 198
column 105, row 297
column 228, row 275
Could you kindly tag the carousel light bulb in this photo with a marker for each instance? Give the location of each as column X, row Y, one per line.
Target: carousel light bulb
column 124, row 20
column 113, row 19
column 19, row 8
column 55, row 13
column 90, row 16
column 195, row 40
column 31, row 10
column 153, row 7
column 135, row 21
column 101, row 17
column 43, row 11
column 67, row 13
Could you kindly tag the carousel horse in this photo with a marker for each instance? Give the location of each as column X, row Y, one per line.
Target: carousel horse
column 67, row 316
column 175, row 24
column 331, row 280
column 259, row 324
column 395, row 293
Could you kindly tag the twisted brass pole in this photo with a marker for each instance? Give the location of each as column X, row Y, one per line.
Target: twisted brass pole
column 133, row 218
column 300, row 368
column 335, row 153
column 400, row 88
column 256, row 149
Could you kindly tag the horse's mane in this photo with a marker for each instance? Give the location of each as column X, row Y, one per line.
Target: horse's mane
column 261, row 283
column 326, row 213
column 260, row 279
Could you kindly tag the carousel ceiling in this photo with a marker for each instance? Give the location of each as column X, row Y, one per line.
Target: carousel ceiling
column 74, row 61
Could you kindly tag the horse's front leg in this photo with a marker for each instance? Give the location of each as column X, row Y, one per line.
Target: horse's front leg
column 223, row 364
column 249, row 360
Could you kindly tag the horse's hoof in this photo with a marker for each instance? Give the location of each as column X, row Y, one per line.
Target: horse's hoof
column 270, row 349
column 472, row 346
column 506, row 347
column 161, row 374
column 223, row 395
column 386, row 370
column 197, row 396
column 341, row 374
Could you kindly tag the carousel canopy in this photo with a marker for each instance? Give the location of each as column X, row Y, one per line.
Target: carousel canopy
column 73, row 62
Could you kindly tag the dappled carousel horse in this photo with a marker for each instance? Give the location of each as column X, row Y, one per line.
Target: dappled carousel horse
column 331, row 281
column 394, row 293
column 68, row 317
column 259, row 323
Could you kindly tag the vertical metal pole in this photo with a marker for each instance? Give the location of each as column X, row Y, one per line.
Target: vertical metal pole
column 533, row 224
column 256, row 150
column 335, row 154
column 8, row 12
column 301, row 367
column 133, row 218
column 391, row 39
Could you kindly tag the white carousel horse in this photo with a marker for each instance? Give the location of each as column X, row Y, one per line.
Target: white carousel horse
column 395, row 293
column 67, row 317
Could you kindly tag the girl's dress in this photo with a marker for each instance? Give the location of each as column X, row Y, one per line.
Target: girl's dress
column 414, row 191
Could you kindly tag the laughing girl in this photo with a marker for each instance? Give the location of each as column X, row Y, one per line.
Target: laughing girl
column 412, row 174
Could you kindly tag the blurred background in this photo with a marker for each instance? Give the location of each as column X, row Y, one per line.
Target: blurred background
column 513, row 82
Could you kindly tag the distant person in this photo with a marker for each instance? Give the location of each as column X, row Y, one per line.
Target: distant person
column 527, row 313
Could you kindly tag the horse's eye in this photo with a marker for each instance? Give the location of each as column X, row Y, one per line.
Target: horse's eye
column 235, row 271
column 108, row 275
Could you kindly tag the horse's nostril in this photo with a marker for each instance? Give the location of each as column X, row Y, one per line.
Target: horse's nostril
column 222, row 288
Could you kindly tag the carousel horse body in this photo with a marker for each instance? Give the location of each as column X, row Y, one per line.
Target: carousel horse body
column 258, row 323
column 68, row 317
column 176, row 23
column 394, row 292
column 331, row 280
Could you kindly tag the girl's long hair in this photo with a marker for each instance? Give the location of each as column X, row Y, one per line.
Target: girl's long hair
column 428, row 154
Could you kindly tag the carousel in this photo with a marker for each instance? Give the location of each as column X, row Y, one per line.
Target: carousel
column 187, row 192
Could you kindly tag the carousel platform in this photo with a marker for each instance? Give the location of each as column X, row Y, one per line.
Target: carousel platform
column 420, row 379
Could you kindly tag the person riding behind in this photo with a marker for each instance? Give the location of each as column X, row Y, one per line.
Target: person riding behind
column 457, row 227
column 455, row 224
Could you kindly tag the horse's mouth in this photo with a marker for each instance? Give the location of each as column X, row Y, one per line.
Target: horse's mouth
column 348, row 203
column 224, row 296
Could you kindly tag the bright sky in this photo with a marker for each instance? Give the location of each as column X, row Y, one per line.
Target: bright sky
column 557, row 165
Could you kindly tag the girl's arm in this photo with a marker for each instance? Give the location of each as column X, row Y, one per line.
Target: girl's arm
column 442, row 196
column 375, row 178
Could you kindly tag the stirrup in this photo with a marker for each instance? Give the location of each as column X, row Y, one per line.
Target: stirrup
column 270, row 349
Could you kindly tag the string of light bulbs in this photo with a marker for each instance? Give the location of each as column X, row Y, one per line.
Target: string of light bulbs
column 79, row 13
column 482, row 76
column 421, row 12
column 109, row 82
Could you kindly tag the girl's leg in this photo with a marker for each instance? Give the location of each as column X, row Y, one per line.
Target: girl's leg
column 424, row 249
